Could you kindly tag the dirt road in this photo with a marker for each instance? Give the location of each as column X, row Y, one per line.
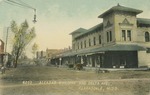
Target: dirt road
column 63, row 81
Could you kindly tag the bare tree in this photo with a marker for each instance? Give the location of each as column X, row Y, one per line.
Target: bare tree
column 22, row 37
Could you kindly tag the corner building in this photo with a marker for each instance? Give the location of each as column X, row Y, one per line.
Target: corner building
column 121, row 41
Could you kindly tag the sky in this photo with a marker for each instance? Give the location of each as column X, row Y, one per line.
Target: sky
column 57, row 18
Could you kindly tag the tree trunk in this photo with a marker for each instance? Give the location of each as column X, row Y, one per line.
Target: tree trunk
column 16, row 62
column 15, row 65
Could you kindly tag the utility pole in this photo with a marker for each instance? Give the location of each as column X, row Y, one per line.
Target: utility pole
column 6, row 39
column 6, row 54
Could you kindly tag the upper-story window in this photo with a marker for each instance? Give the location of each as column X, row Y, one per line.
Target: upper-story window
column 81, row 45
column 89, row 42
column 73, row 47
column 100, row 41
column 126, row 35
column 123, row 35
column 147, row 39
column 129, row 35
column 78, row 45
column 85, row 43
column 109, row 36
column 94, row 41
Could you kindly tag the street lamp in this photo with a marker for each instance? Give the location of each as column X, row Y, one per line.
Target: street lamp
column 23, row 5
column 6, row 39
column 5, row 52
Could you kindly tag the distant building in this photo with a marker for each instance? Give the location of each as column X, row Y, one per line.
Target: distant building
column 50, row 53
column 40, row 54
column 121, row 41
column 53, row 54
column 1, row 51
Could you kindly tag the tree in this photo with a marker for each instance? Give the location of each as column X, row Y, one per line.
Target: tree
column 22, row 37
column 34, row 49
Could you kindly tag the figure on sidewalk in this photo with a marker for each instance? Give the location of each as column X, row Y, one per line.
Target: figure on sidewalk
column 3, row 69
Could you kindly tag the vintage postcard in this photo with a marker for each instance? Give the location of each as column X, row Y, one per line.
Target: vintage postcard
column 74, row 47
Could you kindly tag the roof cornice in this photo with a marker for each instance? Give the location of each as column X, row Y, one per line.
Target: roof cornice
column 120, row 8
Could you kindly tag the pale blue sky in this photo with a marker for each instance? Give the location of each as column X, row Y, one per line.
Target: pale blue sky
column 57, row 18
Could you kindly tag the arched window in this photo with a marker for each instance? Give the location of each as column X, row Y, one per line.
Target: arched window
column 146, row 36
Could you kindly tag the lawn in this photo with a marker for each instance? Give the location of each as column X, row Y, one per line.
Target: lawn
column 64, row 81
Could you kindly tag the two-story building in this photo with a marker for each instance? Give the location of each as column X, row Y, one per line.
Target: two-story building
column 121, row 41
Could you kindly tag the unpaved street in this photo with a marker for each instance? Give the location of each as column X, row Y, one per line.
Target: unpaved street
column 64, row 81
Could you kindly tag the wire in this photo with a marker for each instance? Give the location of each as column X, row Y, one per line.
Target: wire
column 12, row 4
column 20, row 4
column 25, row 3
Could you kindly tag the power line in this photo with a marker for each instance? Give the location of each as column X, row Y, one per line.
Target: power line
column 13, row 4
column 22, row 4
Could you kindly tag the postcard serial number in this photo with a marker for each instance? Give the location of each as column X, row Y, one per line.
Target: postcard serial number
column 27, row 82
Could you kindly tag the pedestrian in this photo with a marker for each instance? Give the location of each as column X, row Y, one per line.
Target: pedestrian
column 3, row 70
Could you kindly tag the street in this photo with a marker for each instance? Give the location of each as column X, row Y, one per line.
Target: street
column 64, row 81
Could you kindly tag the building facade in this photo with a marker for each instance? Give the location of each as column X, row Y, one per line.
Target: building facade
column 40, row 54
column 52, row 55
column 121, row 41
column 1, row 52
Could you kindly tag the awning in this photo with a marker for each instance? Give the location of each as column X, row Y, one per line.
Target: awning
column 121, row 47
column 117, row 47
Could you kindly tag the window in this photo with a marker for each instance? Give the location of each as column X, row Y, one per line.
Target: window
column 73, row 47
column 123, row 35
column 110, row 35
column 147, row 37
column 81, row 45
column 78, row 45
column 85, row 43
column 89, row 42
column 94, row 41
column 148, row 50
column 129, row 35
column 100, row 41
column 107, row 36
column 126, row 35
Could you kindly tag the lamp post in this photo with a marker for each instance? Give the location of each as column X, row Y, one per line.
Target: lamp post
column 6, row 54
column 22, row 4
column 6, row 39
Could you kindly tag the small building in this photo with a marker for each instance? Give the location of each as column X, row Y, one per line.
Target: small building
column 53, row 54
column 121, row 41
column 40, row 54
column 1, row 52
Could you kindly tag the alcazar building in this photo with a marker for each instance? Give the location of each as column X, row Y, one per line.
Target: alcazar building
column 121, row 41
